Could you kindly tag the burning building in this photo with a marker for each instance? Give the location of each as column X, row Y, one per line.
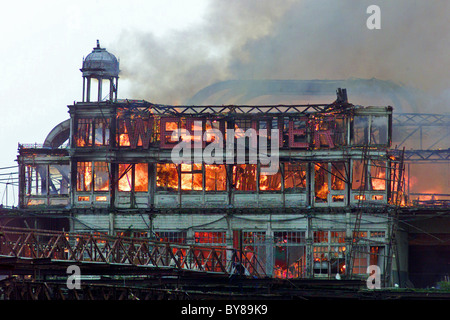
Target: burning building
column 329, row 209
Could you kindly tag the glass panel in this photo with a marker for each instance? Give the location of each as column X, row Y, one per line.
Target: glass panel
column 84, row 176
column 215, row 178
column 123, row 138
column 101, row 132
column 270, row 182
column 125, row 172
column 84, row 133
column 338, row 176
column 141, row 177
column 166, row 177
column 59, row 179
column 171, row 236
column 244, row 177
column 379, row 130
column 321, row 182
column 295, row 176
column 101, row 176
column 358, row 176
column 360, row 130
column 378, row 175
column 191, row 177
column 36, row 180
column 210, row 237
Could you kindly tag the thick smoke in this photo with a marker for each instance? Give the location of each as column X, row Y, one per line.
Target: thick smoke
column 306, row 39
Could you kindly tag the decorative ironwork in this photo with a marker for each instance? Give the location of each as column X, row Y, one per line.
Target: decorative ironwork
column 32, row 243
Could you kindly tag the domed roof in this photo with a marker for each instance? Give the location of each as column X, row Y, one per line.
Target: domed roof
column 100, row 62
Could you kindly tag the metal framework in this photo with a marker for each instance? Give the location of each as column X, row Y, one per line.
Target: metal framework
column 44, row 244
column 160, row 109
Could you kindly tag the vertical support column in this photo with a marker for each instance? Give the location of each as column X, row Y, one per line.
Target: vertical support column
column 116, row 89
column 269, row 244
column 84, row 90
column 88, row 90
column 309, row 247
column 111, row 224
column 100, row 84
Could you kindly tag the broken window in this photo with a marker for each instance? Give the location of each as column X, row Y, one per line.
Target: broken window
column 360, row 130
column 298, row 137
column 101, row 132
column 289, row 254
column 340, row 131
column 36, row 179
column 133, row 177
column 270, row 182
column 166, row 177
column 358, row 175
column 84, row 133
column 215, row 177
column 84, row 176
column 378, row 175
column 191, row 177
column 338, row 175
column 125, row 177
column 379, row 130
column 123, row 140
column 321, row 183
column 101, row 176
column 244, row 177
column 295, row 176
column 59, row 179
column 324, row 132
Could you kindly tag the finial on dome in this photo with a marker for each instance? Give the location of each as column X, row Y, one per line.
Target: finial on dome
column 98, row 43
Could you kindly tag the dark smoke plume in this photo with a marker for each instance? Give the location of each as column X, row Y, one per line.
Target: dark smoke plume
column 306, row 39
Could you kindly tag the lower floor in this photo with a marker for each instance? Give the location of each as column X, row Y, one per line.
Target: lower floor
column 281, row 245
column 290, row 245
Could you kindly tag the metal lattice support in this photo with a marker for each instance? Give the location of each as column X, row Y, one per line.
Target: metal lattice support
column 27, row 243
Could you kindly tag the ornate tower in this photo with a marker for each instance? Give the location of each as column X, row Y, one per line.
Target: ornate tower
column 99, row 68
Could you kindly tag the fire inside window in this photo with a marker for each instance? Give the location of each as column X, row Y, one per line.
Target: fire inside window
column 244, row 177
column 172, row 236
column 133, row 177
column 329, row 177
column 93, row 175
column 191, row 177
column 270, row 182
column 139, row 129
column 328, row 252
column 215, row 177
column 166, row 177
column 210, row 238
column 295, row 176
column 373, row 171
column 289, row 254
column 92, row 132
